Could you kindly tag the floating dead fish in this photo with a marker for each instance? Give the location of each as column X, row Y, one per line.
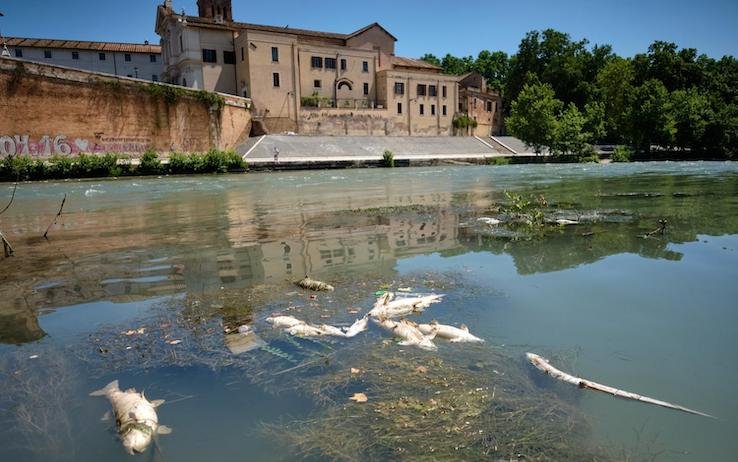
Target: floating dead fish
column 489, row 221
column 409, row 331
column 312, row 284
column 282, row 322
column 388, row 307
column 135, row 417
column 543, row 365
column 358, row 327
column 565, row 222
column 453, row 334
column 306, row 330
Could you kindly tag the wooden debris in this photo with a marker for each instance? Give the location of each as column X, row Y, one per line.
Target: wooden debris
column 6, row 246
column 312, row 284
column 359, row 398
column 543, row 365
column 56, row 218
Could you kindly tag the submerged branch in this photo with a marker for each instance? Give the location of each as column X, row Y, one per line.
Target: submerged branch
column 6, row 246
column 56, row 218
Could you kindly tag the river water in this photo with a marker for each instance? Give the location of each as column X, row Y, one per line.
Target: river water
column 141, row 279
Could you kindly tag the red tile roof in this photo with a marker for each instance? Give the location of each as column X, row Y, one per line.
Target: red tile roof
column 83, row 45
column 399, row 61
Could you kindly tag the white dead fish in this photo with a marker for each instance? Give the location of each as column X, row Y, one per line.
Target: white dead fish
column 283, row 322
column 357, row 327
column 305, row 330
column 453, row 334
column 542, row 365
column 409, row 331
column 399, row 307
column 312, row 284
column 332, row 330
column 135, row 417
column 489, row 221
column 565, row 222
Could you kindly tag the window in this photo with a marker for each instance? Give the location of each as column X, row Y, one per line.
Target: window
column 433, row 109
column 154, row 78
column 399, row 108
column 443, row 110
column 365, row 66
column 242, row 54
column 18, row 53
column 443, row 91
column 184, row 82
column 129, row 76
column 127, row 57
column 366, row 89
column 399, row 88
column 343, row 64
column 47, row 54
column 489, row 106
column 229, row 57
column 75, row 55
column 275, row 54
column 421, row 89
column 209, row 56
column 316, row 62
column 330, row 63
column 181, row 45
column 275, row 79
column 101, row 56
column 317, row 83
column 152, row 58
column 432, row 90
column 422, row 109
column 461, row 107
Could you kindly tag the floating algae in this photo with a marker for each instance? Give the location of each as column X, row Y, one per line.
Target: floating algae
column 470, row 405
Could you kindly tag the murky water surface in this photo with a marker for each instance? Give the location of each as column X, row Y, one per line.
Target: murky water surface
column 141, row 279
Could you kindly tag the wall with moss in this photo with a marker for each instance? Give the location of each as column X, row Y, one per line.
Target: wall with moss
column 51, row 110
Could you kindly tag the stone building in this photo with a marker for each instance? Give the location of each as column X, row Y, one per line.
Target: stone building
column 481, row 104
column 138, row 60
column 309, row 81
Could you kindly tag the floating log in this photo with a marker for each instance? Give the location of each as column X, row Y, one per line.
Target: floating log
column 543, row 365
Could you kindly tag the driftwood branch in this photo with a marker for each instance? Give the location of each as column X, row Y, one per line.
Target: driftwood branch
column 542, row 365
column 7, row 248
column 56, row 218
column 12, row 196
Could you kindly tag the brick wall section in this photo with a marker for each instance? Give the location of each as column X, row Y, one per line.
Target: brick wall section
column 51, row 110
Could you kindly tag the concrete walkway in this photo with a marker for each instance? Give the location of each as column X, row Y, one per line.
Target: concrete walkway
column 366, row 149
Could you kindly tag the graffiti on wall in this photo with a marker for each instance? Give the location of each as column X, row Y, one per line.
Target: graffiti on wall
column 47, row 145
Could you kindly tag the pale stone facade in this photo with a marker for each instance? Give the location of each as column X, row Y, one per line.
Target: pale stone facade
column 136, row 60
column 308, row 81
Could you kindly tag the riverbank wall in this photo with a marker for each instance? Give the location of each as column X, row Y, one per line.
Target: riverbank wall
column 54, row 110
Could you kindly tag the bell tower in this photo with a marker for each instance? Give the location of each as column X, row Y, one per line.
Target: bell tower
column 215, row 9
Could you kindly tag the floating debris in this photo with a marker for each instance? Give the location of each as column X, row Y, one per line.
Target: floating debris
column 489, row 221
column 543, row 365
column 359, row 398
column 243, row 342
column 312, row 284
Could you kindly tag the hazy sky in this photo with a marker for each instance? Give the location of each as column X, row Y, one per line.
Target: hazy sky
column 433, row 26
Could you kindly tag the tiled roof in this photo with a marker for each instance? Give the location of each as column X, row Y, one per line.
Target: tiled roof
column 207, row 22
column 83, row 45
column 411, row 62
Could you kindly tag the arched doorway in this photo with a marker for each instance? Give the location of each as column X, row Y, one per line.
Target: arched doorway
column 344, row 93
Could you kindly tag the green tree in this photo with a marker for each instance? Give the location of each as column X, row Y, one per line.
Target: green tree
column 533, row 116
column 494, row 66
column 431, row 58
column 692, row 114
column 570, row 136
column 614, row 83
column 651, row 119
column 457, row 66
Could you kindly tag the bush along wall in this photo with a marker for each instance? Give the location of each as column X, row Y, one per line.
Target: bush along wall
column 26, row 168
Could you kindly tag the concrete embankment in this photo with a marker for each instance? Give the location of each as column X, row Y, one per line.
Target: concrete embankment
column 301, row 152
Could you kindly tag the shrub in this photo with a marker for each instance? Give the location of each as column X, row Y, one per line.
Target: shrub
column 622, row 154
column 149, row 163
column 315, row 100
column 498, row 161
column 388, row 158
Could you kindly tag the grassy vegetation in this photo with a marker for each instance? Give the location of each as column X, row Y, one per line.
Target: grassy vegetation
column 26, row 168
column 388, row 159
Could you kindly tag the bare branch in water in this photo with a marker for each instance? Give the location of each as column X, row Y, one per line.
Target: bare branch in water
column 58, row 214
column 12, row 196
column 6, row 246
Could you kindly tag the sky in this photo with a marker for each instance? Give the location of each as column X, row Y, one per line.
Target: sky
column 430, row 26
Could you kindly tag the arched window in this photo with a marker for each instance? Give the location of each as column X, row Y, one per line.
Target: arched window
column 344, row 83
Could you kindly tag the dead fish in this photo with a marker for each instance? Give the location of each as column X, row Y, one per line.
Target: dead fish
column 135, row 417
column 453, row 334
column 402, row 306
column 357, row 327
column 305, row 330
column 409, row 331
column 312, row 284
column 332, row 330
column 283, row 322
column 489, row 221
column 565, row 222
